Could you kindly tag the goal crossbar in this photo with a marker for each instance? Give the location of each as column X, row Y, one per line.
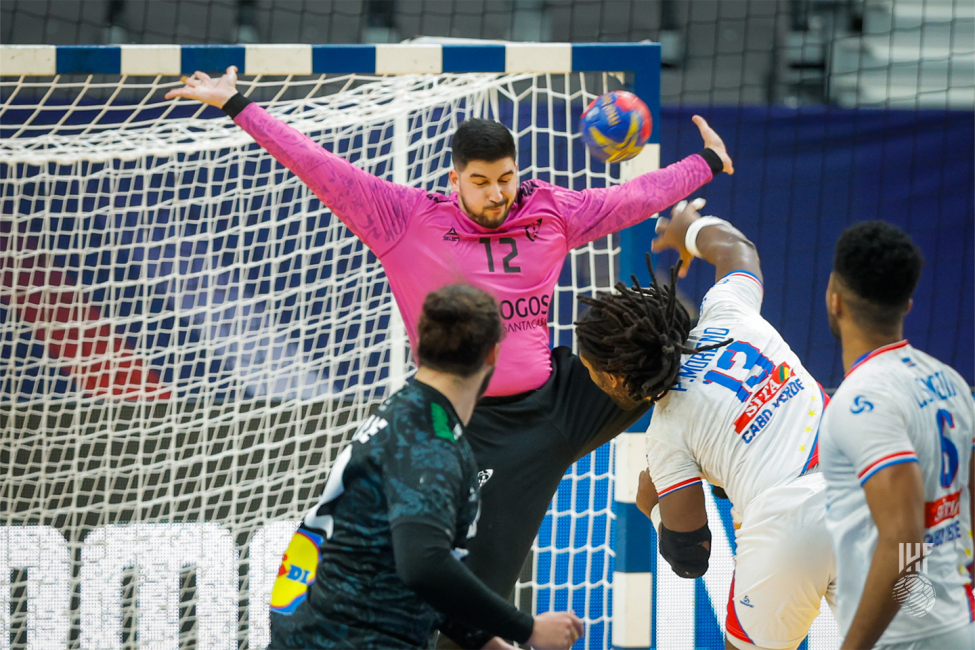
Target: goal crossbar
column 643, row 59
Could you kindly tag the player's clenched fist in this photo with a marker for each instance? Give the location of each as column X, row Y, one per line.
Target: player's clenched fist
column 201, row 87
column 555, row 630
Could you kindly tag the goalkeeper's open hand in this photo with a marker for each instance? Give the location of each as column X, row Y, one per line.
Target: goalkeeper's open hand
column 714, row 142
column 201, row 87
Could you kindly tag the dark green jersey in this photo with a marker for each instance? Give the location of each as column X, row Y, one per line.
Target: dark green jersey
column 337, row 586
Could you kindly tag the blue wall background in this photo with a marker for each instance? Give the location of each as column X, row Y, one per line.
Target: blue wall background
column 803, row 175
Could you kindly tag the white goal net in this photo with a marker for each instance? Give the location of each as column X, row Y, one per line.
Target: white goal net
column 189, row 337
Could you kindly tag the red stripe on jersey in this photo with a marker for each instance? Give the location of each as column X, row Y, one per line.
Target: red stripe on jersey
column 900, row 455
column 673, row 488
column 742, row 274
column 971, row 601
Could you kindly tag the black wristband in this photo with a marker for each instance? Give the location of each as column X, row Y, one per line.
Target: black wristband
column 238, row 102
column 712, row 159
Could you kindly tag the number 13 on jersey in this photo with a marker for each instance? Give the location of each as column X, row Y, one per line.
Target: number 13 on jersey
column 746, row 357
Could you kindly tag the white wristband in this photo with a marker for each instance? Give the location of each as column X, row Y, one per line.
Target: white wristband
column 655, row 517
column 690, row 238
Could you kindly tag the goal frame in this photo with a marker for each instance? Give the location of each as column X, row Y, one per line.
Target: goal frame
column 633, row 585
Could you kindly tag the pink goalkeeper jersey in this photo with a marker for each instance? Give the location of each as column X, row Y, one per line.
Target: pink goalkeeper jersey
column 425, row 241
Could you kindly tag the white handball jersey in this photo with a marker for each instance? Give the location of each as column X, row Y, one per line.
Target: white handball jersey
column 744, row 416
column 899, row 405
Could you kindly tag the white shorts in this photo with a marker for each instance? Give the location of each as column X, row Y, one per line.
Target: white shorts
column 961, row 639
column 784, row 566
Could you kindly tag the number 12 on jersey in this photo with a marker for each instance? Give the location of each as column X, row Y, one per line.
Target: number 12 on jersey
column 506, row 262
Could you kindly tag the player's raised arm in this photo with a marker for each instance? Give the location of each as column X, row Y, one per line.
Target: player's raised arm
column 595, row 213
column 374, row 209
column 712, row 239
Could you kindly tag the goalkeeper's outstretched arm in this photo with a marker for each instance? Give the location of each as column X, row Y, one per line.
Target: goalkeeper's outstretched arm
column 375, row 210
column 594, row 213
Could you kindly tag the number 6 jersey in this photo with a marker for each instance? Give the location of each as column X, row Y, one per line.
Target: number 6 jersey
column 900, row 405
column 744, row 416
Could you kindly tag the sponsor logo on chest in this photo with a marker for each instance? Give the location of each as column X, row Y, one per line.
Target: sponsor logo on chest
column 947, row 507
column 776, row 381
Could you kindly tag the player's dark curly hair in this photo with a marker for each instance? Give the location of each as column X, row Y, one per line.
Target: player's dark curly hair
column 459, row 325
column 638, row 334
column 881, row 266
column 477, row 139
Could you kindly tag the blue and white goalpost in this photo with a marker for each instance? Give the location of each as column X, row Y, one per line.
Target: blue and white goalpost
column 187, row 336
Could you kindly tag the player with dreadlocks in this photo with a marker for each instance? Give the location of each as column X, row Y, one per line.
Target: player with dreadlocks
column 638, row 334
column 734, row 406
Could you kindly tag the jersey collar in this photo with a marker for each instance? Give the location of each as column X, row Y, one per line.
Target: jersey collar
column 874, row 353
column 436, row 396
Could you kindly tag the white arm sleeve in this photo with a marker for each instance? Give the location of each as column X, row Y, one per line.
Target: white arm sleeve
column 870, row 428
column 739, row 291
column 670, row 465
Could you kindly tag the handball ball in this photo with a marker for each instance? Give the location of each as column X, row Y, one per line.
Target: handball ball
column 615, row 126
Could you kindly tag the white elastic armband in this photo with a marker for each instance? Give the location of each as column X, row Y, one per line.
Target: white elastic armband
column 690, row 238
column 655, row 518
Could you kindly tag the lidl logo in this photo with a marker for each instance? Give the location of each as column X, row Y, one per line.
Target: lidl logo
column 296, row 573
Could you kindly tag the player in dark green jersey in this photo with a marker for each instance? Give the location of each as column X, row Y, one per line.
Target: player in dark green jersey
column 376, row 563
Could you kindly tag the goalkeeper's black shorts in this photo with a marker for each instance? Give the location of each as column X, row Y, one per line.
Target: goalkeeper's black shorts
column 523, row 445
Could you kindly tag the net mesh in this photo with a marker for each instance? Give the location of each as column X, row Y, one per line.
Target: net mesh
column 188, row 338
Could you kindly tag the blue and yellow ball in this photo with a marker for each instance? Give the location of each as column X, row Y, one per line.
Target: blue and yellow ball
column 616, row 126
